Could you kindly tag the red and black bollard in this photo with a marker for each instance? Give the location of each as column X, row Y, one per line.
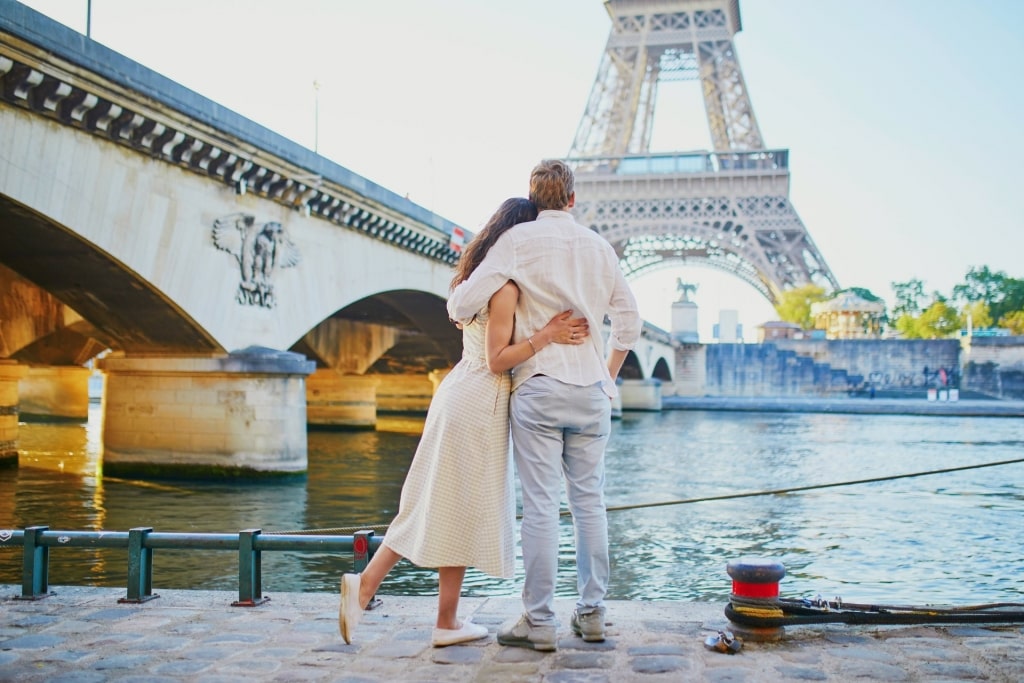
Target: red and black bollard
column 755, row 588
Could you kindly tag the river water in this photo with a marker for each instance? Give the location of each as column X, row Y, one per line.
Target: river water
column 951, row 538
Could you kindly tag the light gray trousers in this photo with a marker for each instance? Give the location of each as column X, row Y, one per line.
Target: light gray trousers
column 560, row 429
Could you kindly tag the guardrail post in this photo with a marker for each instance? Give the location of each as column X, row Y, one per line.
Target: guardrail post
column 250, row 573
column 140, row 566
column 35, row 568
column 361, row 556
column 361, row 550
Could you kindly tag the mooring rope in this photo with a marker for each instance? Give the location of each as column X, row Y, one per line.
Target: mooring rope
column 813, row 487
column 704, row 499
column 789, row 612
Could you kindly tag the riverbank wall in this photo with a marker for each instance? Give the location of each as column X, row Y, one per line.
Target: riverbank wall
column 978, row 367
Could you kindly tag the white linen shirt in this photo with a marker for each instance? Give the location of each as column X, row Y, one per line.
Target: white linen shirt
column 558, row 265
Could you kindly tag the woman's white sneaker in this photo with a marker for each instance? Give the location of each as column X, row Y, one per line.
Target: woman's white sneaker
column 349, row 612
column 443, row 637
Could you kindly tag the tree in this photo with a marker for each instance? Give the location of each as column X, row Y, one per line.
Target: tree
column 795, row 304
column 937, row 321
column 1013, row 322
column 863, row 293
column 1003, row 294
column 981, row 284
column 978, row 313
column 906, row 325
column 908, row 297
column 1013, row 298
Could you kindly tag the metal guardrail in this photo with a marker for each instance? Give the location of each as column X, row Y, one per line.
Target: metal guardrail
column 140, row 542
column 675, row 163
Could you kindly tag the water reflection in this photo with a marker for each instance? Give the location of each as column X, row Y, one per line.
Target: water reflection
column 947, row 538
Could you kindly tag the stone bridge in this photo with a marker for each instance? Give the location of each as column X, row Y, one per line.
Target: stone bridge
column 233, row 286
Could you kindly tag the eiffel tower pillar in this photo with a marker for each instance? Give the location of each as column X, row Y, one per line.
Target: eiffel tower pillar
column 727, row 208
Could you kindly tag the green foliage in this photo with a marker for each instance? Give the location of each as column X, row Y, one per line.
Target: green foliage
column 938, row 321
column 1013, row 299
column 794, row 305
column 908, row 297
column 862, row 292
column 986, row 296
column 979, row 315
column 1003, row 294
column 1013, row 322
column 980, row 284
column 906, row 325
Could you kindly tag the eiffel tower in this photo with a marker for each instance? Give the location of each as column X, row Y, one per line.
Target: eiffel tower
column 728, row 208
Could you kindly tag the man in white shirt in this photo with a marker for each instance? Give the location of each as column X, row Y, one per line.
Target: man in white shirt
column 560, row 409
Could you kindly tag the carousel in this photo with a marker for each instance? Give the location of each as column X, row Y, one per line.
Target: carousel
column 849, row 316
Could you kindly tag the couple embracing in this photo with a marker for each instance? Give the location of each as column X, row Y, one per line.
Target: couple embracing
column 530, row 292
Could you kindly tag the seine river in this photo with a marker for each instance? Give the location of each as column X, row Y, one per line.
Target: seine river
column 951, row 538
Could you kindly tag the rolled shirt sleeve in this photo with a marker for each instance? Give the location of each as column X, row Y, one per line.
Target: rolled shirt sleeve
column 626, row 323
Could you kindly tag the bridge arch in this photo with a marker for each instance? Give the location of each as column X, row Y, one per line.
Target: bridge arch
column 123, row 310
column 395, row 331
column 662, row 370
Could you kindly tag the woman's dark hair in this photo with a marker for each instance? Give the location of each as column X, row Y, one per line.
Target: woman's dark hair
column 511, row 212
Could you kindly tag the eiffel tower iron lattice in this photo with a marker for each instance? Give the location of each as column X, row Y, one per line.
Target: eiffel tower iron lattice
column 729, row 208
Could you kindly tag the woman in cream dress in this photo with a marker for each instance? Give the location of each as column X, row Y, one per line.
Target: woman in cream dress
column 457, row 507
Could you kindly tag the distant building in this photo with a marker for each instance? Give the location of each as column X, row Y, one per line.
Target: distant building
column 728, row 329
column 778, row 329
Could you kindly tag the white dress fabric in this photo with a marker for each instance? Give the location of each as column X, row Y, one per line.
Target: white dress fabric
column 458, row 502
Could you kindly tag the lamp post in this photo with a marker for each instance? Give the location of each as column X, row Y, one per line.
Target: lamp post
column 88, row 18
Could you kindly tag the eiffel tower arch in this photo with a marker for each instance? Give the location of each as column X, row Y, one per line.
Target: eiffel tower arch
column 727, row 208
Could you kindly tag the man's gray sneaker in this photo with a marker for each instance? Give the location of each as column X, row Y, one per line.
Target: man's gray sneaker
column 524, row 634
column 589, row 625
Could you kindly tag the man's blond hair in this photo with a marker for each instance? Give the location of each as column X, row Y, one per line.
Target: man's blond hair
column 551, row 185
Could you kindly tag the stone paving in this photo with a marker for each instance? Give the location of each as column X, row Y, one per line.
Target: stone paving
column 83, row 635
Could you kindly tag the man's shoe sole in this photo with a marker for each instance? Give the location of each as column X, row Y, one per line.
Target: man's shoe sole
column 589, row 639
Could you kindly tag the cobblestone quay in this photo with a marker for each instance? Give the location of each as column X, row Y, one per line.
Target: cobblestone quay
column 83, row 634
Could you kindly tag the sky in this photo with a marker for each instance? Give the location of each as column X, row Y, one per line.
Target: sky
column 901, row 117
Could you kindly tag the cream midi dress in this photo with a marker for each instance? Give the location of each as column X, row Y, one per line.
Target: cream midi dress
column 458, row 503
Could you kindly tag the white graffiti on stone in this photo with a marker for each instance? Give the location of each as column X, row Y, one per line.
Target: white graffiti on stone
column 260, row 249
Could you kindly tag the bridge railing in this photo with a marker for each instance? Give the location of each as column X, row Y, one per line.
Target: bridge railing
column 685, row 162
column 140, row 542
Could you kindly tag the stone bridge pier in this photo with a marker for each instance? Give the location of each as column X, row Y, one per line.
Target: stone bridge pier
column 10, row 374
column 349, row 388
column 219, row 417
